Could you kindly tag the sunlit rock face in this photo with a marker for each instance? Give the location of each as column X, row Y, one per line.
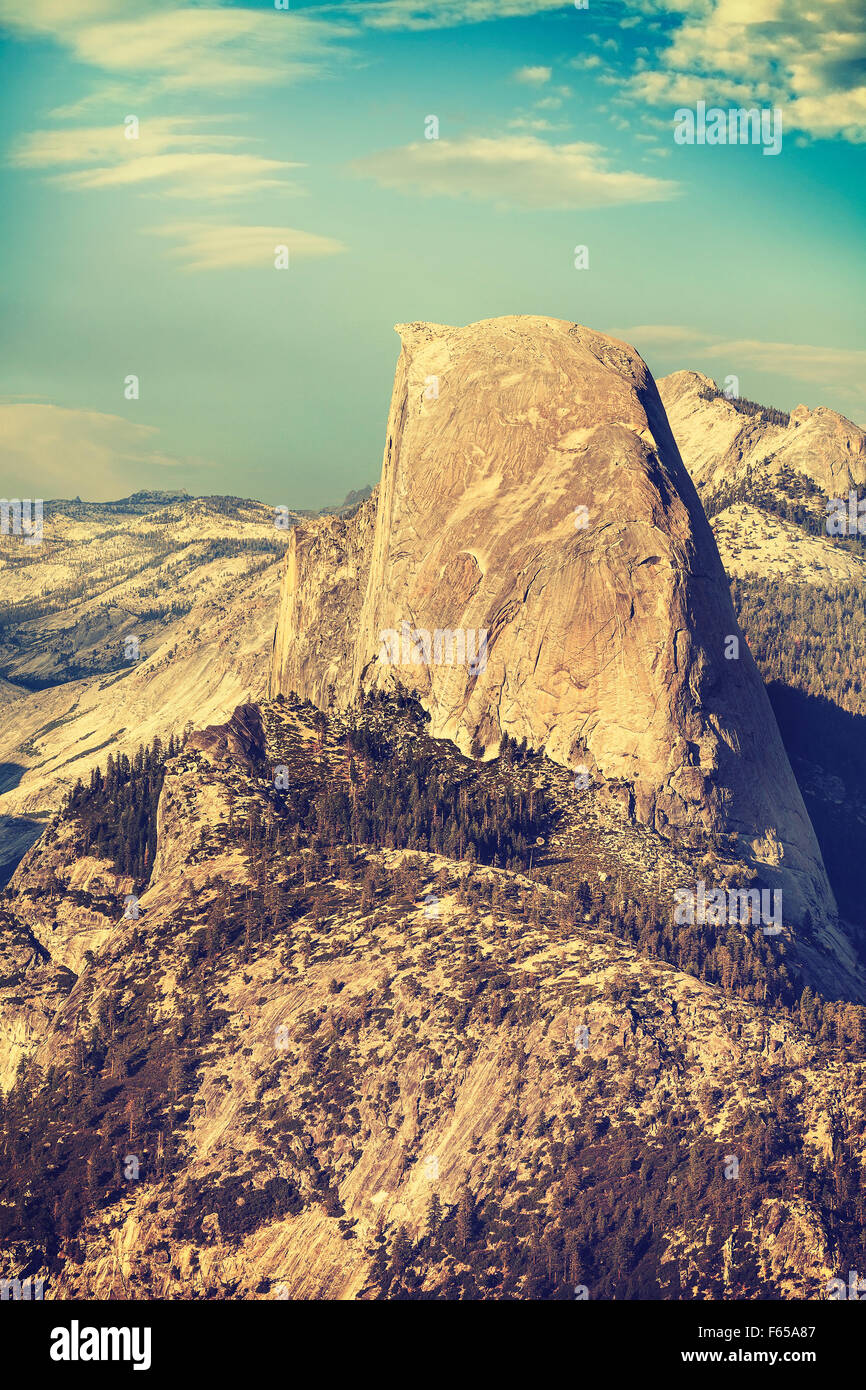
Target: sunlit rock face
column 324, row 579
column 532, row 491
column 720, row 444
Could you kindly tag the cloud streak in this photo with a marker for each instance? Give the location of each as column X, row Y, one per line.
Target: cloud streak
column 417, row 15
column 839, row 369
column 209, row 246
column 517, row 171
column 167, row 152
column 184, row 47
column 50, row 451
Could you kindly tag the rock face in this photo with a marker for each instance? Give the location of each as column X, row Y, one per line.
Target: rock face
column 324, row 579
column 718, row 443
column 242, row 737
column 531, row 488
column 195, row 665
column 755, row 544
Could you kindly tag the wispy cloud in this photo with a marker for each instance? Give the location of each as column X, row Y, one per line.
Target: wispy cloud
column 661, row 334
column 209, row 246
column 517, row 171
column 50, row 451
column 108, row 143
column 534, row 123
column 53, row 16
column 191, row 175
column 841, row 370
column 825, row 366
column 442, row 14
column 167, row 152
column 185, row 48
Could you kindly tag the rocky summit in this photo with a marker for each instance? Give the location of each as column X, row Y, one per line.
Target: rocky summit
column 532, row 490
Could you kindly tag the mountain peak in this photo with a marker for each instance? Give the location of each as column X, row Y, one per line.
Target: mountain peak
column 537, row 497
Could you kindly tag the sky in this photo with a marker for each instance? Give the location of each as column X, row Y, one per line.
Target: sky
column 153, row 157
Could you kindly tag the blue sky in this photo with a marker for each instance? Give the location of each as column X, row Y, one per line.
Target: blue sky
column 305, row 127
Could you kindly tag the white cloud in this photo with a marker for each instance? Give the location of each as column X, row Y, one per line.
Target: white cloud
column 192, row 175
column 534, row 77
column 533, row 123
column 181, row 48
column 518, row 171
column 209, row 246
column 52, row 16
column 166, row 151
column 808, row 59
column 823, row 366
column 443, row 14
column 49, row 451
column 840, row 370
column 96, row 144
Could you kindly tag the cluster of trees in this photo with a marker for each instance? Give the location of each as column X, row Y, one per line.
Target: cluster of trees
column 117, row 811
column 766, row 413
column 220, row 547
column 739, row 958
column 787, row 494
column 240, row 1206
column 400, row 800
column 600, row 1206
column 66, row 1133
column 806, row 637
column 806, row 641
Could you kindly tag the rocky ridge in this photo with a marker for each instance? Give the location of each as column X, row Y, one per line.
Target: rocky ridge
column 369, row 1052
column 717, row 441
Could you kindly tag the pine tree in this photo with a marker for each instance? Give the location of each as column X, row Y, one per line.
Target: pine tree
column 465, row 1219
column 434, row 1217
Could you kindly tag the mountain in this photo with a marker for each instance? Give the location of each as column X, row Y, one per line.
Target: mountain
column 350, row 503
column 105, row 572
column 800, row 594
column 607, row 639
column 721, row 438
column 376, row 988
column 327, row 1062
column 137, row 504
column 133, row 618
column 765, row 477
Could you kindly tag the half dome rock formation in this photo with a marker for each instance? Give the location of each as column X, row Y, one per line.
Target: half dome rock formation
column 532, row 490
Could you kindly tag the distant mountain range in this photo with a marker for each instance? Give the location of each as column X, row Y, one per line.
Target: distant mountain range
column 141, row 503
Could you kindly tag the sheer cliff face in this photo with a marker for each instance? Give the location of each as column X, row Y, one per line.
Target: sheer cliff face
column 324, row 579
column 531, row 489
